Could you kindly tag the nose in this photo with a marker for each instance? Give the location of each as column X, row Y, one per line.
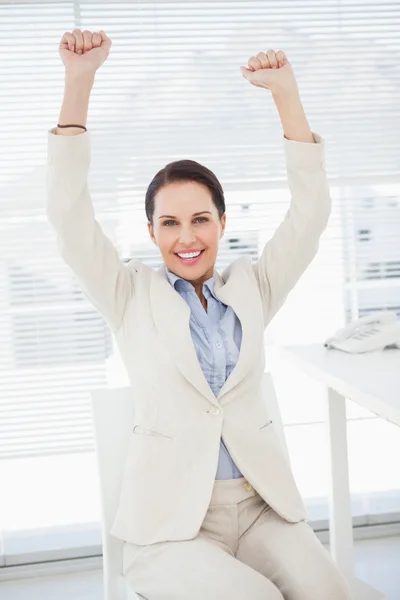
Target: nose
column 187, row 237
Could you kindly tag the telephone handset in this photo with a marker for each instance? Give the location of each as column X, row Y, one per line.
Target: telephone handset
column 372, row 332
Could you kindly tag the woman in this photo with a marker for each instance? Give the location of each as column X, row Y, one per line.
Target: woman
column 209, row 507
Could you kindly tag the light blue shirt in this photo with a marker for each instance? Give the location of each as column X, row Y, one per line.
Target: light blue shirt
column 217, row 336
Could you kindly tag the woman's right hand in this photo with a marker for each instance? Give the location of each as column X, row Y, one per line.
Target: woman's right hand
column 83, row 52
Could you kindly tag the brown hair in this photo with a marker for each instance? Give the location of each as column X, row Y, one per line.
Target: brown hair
column 184, row 170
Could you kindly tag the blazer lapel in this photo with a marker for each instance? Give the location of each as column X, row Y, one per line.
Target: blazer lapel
column 172, row 315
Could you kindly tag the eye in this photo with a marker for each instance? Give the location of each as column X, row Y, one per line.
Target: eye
column 197, row 219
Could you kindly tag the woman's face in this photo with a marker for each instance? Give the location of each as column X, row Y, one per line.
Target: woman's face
column 177, row 229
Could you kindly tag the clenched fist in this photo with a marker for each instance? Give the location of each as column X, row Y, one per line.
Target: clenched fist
column 83, row 52
column 270, row 70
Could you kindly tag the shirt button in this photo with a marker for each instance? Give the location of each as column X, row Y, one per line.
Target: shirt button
column 218, row 344
column 215, row 410
column 247, row 486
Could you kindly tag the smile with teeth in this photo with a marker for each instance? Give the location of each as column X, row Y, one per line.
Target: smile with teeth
column 189, row 255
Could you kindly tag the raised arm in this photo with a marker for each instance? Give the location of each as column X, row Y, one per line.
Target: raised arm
column 106, row 281
column 295, row 243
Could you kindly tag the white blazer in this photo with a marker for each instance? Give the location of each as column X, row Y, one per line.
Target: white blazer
column 170, row 472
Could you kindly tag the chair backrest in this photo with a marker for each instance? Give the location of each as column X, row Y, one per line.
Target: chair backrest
column 113, row 416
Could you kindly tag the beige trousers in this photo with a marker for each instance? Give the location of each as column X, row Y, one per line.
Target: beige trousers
column 243, row 551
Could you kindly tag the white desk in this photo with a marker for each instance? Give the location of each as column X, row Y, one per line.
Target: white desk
column 372, row 380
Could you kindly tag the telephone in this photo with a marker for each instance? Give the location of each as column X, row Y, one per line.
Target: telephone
column 373, row 332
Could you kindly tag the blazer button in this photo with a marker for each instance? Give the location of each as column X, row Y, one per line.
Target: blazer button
column 247, row 486
column 214, row 410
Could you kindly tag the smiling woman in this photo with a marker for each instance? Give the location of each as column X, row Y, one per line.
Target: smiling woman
column 185, row 208
column 174, row 492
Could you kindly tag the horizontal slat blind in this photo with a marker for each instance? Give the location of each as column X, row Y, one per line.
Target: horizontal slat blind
column 172, row 89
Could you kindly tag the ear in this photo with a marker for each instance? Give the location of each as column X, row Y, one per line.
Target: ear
column 151, row 233
column 223, row 224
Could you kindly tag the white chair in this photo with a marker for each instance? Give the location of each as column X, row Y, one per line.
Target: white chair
column 113, row 416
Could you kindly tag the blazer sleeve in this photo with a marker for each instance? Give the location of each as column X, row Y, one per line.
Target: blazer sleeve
column 295, row 243
column 82, row 244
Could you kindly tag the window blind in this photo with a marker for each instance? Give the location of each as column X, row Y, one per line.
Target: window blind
column 172, row 89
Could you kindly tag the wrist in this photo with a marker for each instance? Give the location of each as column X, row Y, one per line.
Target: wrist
column 81, row 81
column 75, row 105
column 286, row 96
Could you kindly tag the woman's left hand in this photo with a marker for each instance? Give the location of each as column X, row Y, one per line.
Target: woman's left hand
column 272, row 71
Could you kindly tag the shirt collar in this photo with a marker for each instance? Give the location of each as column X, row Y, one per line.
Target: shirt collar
column 182, row 284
